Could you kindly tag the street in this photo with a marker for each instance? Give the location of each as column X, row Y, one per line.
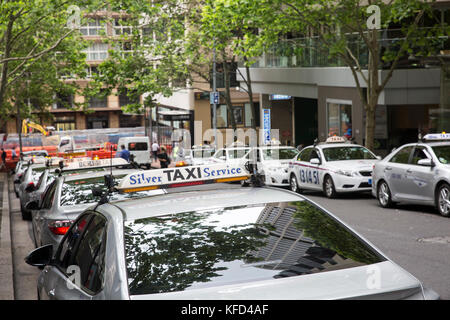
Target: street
column 416, row 238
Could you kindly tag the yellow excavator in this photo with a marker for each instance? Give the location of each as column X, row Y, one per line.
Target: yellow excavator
column 26, row 123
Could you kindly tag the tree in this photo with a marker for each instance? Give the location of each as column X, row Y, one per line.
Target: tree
column 340, row 30
column 36, row 49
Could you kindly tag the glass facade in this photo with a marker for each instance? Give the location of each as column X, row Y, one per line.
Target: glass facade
column 339, row 119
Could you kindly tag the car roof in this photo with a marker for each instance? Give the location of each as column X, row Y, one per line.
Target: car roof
column 86, row 175
column 180, row 202
column 328, row 145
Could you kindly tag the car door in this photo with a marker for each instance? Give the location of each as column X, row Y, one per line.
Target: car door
column 420, row 178
column 395, row 172
column 303, row 166
column 44, row 207
column 78, row 269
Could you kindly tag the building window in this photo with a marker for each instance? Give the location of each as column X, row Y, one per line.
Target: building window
column 120, row 27
column 93, row 28
column 125, row 100
column 99, row 101
column 63, row 101
column 339, row 116
column 97, row 51
column 63, row 123
column 242, row 115
column 97, row 121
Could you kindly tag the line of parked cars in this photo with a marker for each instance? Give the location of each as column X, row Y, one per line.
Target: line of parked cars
column 268, row 236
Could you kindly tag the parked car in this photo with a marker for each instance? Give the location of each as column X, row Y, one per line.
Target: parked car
column 234, row 244
column 417, row 173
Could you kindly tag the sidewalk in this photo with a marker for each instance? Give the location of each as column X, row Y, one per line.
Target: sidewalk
column 6, row 264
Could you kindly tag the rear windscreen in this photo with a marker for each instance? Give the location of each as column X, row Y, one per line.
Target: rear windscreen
column 80, row 191
column 236, row 245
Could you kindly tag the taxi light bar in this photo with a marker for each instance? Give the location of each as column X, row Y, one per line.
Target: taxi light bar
column 60, row 227
column 437, row 136
column 181, row 177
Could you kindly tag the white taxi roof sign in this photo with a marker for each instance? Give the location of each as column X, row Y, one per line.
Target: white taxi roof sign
column 182, row 176
column 335, row 139
column 437, row 136
column 95, row 163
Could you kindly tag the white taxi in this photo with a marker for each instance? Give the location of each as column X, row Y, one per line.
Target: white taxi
column 272, row 163
column 336, row 166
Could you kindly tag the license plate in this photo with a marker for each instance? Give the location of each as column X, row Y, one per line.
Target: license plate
column 370, row 182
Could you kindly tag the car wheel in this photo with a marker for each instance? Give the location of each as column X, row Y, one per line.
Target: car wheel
column 244, row 183
column 328, row 188
column 293, row 184
column 26, row 215
column 384, row 195
column 443, row 200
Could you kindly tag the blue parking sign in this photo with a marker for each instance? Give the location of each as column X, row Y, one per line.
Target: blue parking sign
column 266, row 125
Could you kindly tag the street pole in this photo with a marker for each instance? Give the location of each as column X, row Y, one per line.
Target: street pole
column 214, row 92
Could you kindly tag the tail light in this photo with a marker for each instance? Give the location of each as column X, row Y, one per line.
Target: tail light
column 60, row 227
column 30, row 187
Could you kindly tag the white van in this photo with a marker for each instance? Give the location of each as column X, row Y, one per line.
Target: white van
column 139, row 147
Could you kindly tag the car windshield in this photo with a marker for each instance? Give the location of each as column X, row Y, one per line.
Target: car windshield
column 80, row 191
column 237, row 153
column 205, row 153
column 239, row 244
column 442, row 153
column 347, row 153
column 279, row 153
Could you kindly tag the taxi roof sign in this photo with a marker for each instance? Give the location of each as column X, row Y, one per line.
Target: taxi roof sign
column 181, row 177
column 436, row 136
column 336, row 139
column 95, row 163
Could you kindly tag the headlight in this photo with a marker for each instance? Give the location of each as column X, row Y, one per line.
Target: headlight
column 347, row 173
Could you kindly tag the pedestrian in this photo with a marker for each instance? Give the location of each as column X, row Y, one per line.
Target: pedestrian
column 124, row 153
column 3, row 159
column 164, row 159
column 14, row 154
column 155, row 149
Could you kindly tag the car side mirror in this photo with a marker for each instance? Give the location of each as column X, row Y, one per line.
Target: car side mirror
column 30, row 187
column 425, row 162
column 314, row 161
column 40, row 257
column 223, row 158
column 32, row 205
column 378, row 157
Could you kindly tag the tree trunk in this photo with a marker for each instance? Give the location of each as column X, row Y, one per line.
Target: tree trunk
column 6, row 54
column 373, row 90
column 226, row 76
column 250, row 95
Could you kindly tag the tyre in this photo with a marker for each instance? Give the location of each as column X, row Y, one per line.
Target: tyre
column 293, row 183
column 384, row 195
column 26, row 215
column 328, row 188
column 244, row 183
column 443, row 200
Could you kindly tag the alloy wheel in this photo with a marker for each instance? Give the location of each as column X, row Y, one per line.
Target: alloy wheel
column 444, row 200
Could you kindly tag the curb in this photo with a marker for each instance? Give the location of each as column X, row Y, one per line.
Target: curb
column 6, row 265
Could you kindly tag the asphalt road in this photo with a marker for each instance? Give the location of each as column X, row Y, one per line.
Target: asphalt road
column 415, row 237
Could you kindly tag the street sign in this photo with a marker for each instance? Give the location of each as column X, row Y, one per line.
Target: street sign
column 266, row 125
column 214, row 97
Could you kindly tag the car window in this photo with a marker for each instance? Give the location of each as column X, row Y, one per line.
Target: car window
column 402, row 156
column 220, row 153
column 138, row 146
column 64, row 254
column 237, row 154
column 347, row 153
column 304, row 154
column 237, row 245
column 279, row 153
column 314, row 154
column 47, row 201
column 442, row 153
column 419, row 154
column 90, row 253
column 41, row 178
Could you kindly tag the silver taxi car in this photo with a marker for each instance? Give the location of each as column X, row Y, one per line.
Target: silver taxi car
column 64, row 199
column 416, row 173
column 233, row 244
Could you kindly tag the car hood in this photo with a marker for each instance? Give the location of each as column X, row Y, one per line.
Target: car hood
column 354, row 165
column 353, row 283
